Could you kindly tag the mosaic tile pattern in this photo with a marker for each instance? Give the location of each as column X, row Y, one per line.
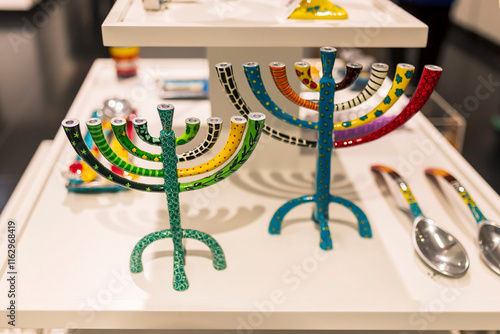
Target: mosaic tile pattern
column 228, row 83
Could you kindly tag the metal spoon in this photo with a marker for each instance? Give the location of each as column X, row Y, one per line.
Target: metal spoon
column 437, row 248
column 488, row 237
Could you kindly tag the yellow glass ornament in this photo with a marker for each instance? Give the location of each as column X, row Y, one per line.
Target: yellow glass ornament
column 318, row 10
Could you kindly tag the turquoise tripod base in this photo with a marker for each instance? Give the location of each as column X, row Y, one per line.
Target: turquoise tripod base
column 325, row 237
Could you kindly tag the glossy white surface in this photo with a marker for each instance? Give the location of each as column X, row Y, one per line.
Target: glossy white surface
column 74, row 249
column 260, row 23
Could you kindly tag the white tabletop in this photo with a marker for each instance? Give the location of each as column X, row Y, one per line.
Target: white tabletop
column 73, row 250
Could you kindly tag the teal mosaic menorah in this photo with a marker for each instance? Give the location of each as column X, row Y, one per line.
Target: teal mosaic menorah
column 243, row 138
column 325, row 127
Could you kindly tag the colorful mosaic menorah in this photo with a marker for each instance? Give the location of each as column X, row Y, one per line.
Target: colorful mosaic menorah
column 242, row 140
column 325, row 126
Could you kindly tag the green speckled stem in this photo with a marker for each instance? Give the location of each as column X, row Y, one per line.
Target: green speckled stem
column 252, row 135
column 97, row 134
column 191, row 131
column 120, row 132
column 75, row 137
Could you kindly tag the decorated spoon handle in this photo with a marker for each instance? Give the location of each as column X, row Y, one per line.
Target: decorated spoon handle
column 415, row 208
column 478, row 215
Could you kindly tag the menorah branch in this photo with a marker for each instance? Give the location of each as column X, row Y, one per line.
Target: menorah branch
column 192, row 127
column 252, row 72
column 119, row 129
column 72, row 130
column 213, row 132
column 142, row 131
column 378, row 74
column 252, row 135
column 303, row 71
column 278, row 72
column 351, row 74
column 94, row 126
column 226, row 79
column 235, row 134
column 404, row 73
column 428, row 81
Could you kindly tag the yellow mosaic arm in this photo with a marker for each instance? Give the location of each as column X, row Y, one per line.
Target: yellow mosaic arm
column 404, row 73
column 238, row 124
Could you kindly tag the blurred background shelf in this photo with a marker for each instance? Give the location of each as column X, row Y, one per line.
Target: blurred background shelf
column 18, row 4
column 372, row 23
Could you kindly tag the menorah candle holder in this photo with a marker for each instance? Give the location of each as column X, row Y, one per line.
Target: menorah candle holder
column 81, row 177
column 243, row 138
column 325, row 126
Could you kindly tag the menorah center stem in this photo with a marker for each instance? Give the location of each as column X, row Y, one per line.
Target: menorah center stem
column 325, row 144
column 171, row 181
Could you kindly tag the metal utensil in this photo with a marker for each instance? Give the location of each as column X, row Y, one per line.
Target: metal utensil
column 116, row 107
column 488, row 237
column 437, row 248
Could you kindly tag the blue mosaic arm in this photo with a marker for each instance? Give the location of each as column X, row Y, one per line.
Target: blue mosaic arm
column 252, row 72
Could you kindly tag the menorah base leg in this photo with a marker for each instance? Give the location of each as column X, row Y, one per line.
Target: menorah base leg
column 219, row 260
column 180, row 281
column 364, row 228
column 275, row 225
column 326, row 240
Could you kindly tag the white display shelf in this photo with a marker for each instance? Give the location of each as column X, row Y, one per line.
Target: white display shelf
column 260, row 23
column 73, row 250
column 17, row 4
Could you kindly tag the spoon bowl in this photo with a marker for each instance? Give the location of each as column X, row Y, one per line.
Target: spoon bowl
column 488, row 237
column 439, row 250
column 488, row 241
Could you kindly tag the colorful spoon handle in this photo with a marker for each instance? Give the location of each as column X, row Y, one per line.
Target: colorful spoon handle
column 415, row 208
column 478, row 215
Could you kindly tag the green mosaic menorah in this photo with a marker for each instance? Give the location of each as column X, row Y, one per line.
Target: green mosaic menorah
column 239, row 147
